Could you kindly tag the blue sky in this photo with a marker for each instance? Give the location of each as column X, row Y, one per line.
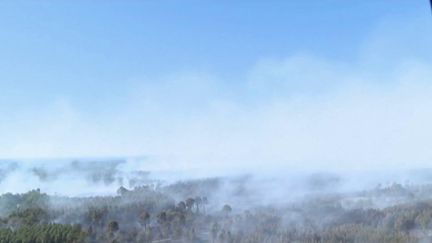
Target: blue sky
column 74, row 50
column 170, row 78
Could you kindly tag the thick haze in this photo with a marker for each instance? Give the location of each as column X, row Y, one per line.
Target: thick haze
column 349, row 88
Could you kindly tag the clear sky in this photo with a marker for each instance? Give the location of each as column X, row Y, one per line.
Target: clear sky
column 316, row 82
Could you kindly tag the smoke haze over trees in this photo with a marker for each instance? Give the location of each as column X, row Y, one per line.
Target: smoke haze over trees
column 222, row 210
column 215, row 122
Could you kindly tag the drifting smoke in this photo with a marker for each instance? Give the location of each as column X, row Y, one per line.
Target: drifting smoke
column 317, row 146
column 300, row 112
column 68, row 176
column 306, row 143
column 91, row 177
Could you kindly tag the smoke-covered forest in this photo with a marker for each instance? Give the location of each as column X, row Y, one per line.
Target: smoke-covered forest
column 221, row 210
column 193, row 121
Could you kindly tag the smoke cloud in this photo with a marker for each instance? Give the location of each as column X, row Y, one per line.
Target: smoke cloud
column 300, row 112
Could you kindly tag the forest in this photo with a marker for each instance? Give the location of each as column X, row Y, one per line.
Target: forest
column 196, row 211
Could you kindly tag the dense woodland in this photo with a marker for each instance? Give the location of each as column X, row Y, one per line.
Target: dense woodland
column 193, row 211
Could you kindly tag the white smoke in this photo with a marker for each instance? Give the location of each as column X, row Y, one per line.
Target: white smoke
column 300, row 112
